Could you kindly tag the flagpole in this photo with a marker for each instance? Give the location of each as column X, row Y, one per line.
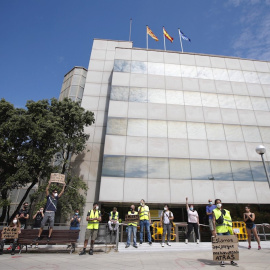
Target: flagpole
column 146, row 38
column 164, row 40
column 130, row 28
column 180, row 39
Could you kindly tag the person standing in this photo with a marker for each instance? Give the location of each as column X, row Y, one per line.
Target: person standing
column 145, row 221
column 50, row 209
column 23, row 215
column 113, row 220
column 132, row 227
column 15, row 223
column 222, row 222
column 249, row 219
column 75, row 221
column 93, row 218
column 209, row 209
column 193, row 222
column 166, row 219
column 38, row 216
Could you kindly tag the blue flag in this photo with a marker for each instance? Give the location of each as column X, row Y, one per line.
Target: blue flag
column 184, row 37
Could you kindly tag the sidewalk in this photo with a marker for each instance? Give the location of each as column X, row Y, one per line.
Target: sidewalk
column 178, row 256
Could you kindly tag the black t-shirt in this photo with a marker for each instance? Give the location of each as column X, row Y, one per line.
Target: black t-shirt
column 37, row 221
column 25, row 212
column 75, row 222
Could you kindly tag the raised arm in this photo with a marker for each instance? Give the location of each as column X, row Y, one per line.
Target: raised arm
column 47, row 188
column 62, row 191
column 187, row 203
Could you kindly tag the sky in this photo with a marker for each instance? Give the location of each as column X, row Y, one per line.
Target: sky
column 41, row 40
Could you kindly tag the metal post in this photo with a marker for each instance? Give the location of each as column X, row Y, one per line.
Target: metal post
column 267, row 176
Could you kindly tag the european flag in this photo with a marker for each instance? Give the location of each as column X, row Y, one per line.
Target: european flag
column 184, row 37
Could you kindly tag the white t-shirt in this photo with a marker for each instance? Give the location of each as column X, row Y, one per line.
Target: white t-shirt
column 192, row 216
column 166, row 216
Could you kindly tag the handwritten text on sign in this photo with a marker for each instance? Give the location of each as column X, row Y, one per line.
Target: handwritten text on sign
column 57, row 178
column 225, row 248
column 132, row 218
column 10, row 233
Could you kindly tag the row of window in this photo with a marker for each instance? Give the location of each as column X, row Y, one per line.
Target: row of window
column 191, row 71
column 160, row 96
column 186, row 169
column 187, row 130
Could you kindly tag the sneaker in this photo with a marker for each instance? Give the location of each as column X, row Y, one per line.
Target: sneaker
column 135, row 246
column 140, row 242
column 222, row 264
column 91, row 252
column 18, row 247
column 162, row 244
column 150, row 243
column 186, row 241
column 9, row 248
column 259, row 247
column 49, row 238
column 13, row 252
column 198, row 241
column 126, row 246
column 38, row 238
column 249, row 247
column 169, row 244
column 36, row 246
column 83, row 252
column 233, row 263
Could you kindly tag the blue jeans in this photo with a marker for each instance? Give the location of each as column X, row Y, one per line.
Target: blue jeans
column 225, row 233
column 132, row 229
column 146, row 224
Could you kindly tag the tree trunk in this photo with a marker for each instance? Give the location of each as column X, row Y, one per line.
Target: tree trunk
column 23, row 199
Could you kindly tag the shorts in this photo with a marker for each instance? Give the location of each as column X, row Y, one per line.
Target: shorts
column 48, row 216
column 211, row 225
column 250, row 226
column 91, row 233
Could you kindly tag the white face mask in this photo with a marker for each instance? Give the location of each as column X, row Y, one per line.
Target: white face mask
column 15, row 221
column 165, row 208
column 55, row 194
column 219, row 205
column 96, row 207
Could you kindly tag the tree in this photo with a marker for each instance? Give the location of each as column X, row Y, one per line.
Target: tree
column 31, row 137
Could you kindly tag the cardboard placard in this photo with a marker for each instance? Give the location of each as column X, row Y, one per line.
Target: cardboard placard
column 225, row 248
column 132, row 218
column 57, row 178
column 10, row 233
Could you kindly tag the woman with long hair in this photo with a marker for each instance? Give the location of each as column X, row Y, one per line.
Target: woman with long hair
column 249, row 219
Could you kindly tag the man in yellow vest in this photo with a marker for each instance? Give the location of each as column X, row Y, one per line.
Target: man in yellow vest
column 145, row 221
column 132, row 227
column 113, row 219
column 93, row 218
column 222, row 222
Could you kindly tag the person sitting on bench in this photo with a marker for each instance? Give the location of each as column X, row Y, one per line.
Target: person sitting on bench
column 113, row 219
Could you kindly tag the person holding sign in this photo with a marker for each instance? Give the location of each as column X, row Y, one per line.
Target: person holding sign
column 251, row 227
column 132, row 227
column 93, row 218
column 145, row 221
column 50, row 209
column 193, row 221
column 11, row 232
column 222, row 222
column 166, row 219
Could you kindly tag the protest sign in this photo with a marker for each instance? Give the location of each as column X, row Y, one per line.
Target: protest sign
column 225, row 248
column 57, row 178
column 10, row 233
column 132, row 218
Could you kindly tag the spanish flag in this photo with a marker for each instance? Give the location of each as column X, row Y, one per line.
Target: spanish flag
column 151, row 34
column 167, row 35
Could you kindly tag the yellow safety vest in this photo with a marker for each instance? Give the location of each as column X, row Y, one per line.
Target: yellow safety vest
column 144, row 215
column 133, row 223
column 227, row 221
column 115, row 216
column 93, row 224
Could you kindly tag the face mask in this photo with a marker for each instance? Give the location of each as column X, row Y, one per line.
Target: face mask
column 26, row 206
column 15, row 221
column 191, row 208
column 210, row 203
column 219, row 205
column 76, row 214
column 96, row 207
column 131, row 209
column 142, row 204
column 41, row 210
column 55, row 194
column 165, row 208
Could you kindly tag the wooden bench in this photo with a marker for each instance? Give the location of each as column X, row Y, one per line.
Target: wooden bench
column 60, row 237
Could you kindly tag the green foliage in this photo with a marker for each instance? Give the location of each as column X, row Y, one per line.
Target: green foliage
column 29, row 140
